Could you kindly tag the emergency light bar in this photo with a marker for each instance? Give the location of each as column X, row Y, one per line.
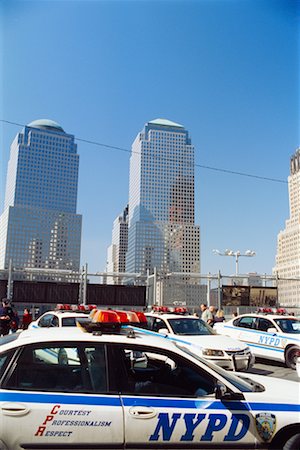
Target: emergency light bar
column 166, row 309
column 281, row 311
column 111, row 321
column 74, row 308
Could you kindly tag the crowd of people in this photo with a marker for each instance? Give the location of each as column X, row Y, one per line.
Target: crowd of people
column 10, row 320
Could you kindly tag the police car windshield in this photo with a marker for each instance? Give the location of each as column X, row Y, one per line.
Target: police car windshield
column 289, row 325
column 235, row 380
column 189, row 326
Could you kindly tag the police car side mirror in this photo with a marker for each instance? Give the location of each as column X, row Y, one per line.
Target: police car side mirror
column 163, row 331
column 223, row 393
column 272, row 330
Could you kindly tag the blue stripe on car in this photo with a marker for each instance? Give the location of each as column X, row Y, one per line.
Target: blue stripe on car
column 102, row 400
column 249, row 330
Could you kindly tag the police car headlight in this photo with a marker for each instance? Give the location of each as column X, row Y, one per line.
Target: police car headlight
column 211, row 352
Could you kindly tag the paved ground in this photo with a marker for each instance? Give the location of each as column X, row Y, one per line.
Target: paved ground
column 274, row 369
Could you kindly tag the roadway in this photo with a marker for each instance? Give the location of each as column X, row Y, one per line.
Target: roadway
column 273, row 369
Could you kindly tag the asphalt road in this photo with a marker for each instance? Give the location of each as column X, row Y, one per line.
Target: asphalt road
column 273, row 369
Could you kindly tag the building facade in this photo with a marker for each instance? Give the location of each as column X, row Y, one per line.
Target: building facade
column 288, row 242
column 162, row 234
column 116, row 253
column 39, row 227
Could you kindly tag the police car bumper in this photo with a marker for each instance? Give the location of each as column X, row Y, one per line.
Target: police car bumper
column 238, row 363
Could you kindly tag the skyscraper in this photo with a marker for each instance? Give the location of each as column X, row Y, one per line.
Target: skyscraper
column 116, row 253
column 39, row 227
column 288, row 241
column 161, row 229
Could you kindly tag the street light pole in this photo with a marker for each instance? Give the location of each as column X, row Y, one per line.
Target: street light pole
column 236, row 254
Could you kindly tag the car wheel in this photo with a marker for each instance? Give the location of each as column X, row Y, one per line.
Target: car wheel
column 291, row 356
column 292, row 443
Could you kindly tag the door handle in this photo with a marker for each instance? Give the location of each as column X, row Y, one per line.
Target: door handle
column 142, row 412
column 14, row 409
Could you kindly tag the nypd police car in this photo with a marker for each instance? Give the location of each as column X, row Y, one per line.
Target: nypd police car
column 101, row 397
column 62, row 316
column 270, row 336
column 225, row 351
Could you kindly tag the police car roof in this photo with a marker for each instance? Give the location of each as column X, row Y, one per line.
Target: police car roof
column 268, row 316
column 76, row 334
column 65, row 312
column 170, row 315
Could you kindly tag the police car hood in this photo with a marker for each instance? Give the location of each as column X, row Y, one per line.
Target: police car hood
column 214, row 342
column 275, row 389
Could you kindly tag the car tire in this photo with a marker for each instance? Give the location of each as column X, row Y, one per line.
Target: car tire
column 291, row 355
column 293, row 443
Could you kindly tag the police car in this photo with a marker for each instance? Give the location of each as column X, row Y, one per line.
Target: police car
column 103, row 398
column 271, row 336
column 62, row 316
column 227, row 352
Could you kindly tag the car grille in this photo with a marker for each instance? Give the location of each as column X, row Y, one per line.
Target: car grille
column 239, row 352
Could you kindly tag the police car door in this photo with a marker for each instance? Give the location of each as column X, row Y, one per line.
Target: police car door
column 269, row 344
column 170, row 402
column 244, row 329
column 57, row 396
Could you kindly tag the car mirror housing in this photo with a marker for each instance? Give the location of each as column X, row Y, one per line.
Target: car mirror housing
column 223, row 393
column 272, row 330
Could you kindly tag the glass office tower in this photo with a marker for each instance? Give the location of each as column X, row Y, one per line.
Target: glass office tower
column 116, row 252
column 161, row 229
column 39, row 227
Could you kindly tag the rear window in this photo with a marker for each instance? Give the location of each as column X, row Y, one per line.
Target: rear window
column 69, row 322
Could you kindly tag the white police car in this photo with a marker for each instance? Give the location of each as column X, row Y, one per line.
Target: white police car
column 99, row 398
column 62, row 316
column 227, row 352
column 271, row 336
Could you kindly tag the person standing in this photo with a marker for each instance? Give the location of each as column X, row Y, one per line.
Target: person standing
column 206, row 314
column 219, row 316
column 15, row 319
column 5, row 317
column 213, row 311
column 27, row 318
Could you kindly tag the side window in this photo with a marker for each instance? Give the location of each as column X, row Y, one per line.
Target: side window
column 159, row 324
column 45, row 321
column 97, row 367
column 68, row 322
column 163, row 374
column 246, row 322
column 50, row 368
column 55, row 322
column 4, row 359
column 264, row 324
column 150, row 321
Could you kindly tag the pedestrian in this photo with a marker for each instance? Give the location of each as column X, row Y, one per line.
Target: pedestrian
column 15, row 319
column 213, row 311
column 206, row 314
column 27, row 318
column 5, row 317
column 219, row 316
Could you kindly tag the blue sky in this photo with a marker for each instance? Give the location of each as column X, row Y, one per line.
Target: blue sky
column 227, row 70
